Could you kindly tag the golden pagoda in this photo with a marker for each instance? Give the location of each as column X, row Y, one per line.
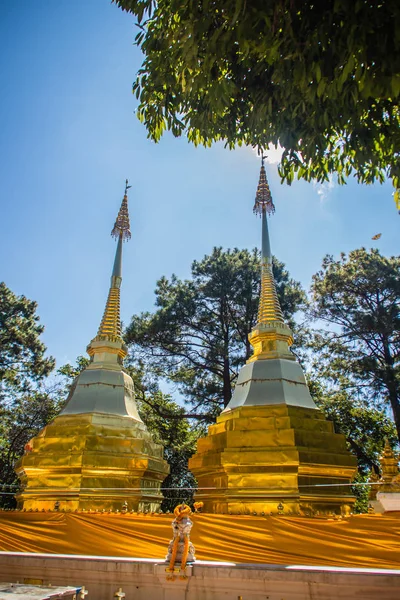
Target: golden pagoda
column 272, row 450
column 97, row 454
column 384, row 494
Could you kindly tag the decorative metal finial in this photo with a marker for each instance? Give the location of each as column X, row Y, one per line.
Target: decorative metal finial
column 127, row 187
column 263, row 201
column 121, row 227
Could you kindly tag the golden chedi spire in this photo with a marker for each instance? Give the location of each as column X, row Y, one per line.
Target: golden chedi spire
column 271, row 337
column 97, row 453
column 271, row 450
column 110, row 326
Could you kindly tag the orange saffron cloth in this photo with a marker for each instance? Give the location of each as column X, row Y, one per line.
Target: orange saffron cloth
column 371, row 541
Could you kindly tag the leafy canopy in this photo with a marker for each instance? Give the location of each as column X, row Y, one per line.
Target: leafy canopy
column 20, row 420
column 22, row 359
column 322, row 79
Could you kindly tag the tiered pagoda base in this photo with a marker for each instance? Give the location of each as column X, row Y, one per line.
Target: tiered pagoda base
column 269, row 458
column 92, row 461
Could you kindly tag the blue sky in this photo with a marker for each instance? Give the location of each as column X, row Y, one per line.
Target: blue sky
column 69, row 138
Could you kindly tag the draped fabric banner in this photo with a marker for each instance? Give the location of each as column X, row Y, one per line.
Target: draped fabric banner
column 359, row 541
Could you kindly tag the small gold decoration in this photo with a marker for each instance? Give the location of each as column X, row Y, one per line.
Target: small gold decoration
column 390, row 479
column 198, row 506
column 373, row 489
column 280, row 508
column 389, row 464
column 119, row 594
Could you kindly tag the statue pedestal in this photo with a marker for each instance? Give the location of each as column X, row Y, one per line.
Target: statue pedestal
column 386, row 502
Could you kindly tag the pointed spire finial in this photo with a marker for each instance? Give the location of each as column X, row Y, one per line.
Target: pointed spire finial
column 121, row 227
column 270, row 337
column 109, row 335
column 263, row 202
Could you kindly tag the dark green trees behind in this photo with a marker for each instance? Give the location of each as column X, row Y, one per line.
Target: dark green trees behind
column 198, row 335
column 22, row 353
column 358, row 298
column 26, row 404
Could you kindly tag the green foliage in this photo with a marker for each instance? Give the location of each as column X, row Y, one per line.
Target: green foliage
column 198, row 336
column 365, row 427
column 21, row 419
column 321, row 79
column 361, row 492
column 22, row 360
column 166, row 421
column 71, row 371
column 359, row 298
column 25, row 406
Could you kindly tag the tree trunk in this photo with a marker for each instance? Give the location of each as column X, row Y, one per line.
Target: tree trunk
column 392, row 386
column 393, row 392
column 227, row 387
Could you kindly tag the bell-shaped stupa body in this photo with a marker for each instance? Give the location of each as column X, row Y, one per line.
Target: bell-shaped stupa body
column 271, row 449
column 97, row 454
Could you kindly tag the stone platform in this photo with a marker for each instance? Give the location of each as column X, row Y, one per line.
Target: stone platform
column 146, row 579
column 36, row 592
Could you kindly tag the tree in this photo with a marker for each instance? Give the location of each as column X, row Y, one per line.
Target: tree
column 198, row 336
column 166, row 421
column 321, row 79
column 25, row 405
column 365, row 427
column 22, row 353
column 22, row 419
column 359, row 298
